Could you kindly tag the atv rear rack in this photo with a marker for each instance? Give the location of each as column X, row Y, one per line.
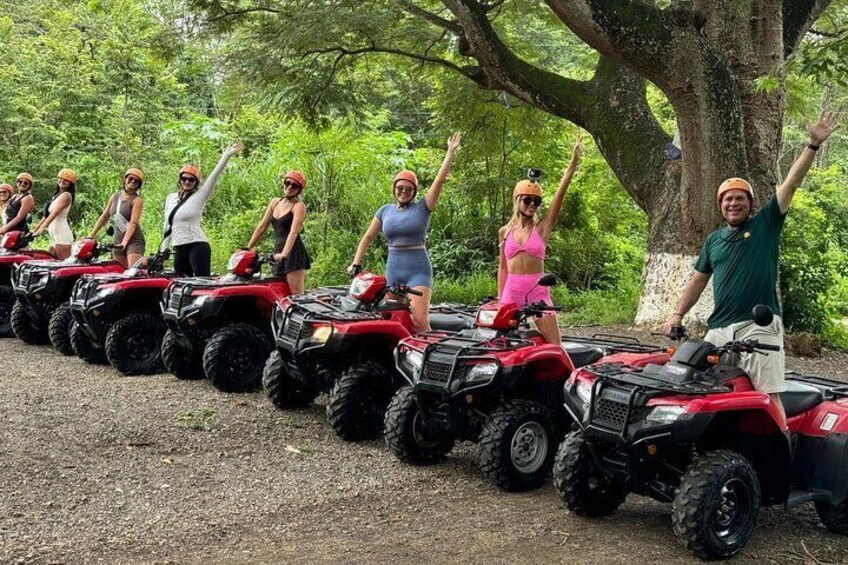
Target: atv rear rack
column 830, row 388
column 621, row 373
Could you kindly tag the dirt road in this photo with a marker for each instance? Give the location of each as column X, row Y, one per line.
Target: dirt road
column 102, row 469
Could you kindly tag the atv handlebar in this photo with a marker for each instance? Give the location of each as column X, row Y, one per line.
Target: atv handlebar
column 747, row 346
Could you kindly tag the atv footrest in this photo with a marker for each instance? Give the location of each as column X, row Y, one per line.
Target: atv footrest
column 798, row 497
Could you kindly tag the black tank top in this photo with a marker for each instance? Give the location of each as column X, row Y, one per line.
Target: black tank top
column 13, row 208
column 282, row 228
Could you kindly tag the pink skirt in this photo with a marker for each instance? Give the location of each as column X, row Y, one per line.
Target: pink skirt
column 517, row 287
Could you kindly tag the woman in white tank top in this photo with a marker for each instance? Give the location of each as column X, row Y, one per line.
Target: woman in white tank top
column 56, row 215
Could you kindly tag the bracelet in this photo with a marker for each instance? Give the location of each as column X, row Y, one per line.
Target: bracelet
column 813, row 147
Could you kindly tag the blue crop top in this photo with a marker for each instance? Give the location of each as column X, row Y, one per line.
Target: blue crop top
column 405, row 226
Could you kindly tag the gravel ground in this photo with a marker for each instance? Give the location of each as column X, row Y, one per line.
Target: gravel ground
column 98, row 468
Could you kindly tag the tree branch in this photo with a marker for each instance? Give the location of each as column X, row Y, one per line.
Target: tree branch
column 798, row 17
column 434, row 19
column 632, row 32
column 501, row 69
column 468, row 71
column 229, row 14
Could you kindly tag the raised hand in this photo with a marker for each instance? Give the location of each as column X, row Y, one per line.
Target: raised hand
column 236, row 148
column 821, row 130
column 454, row 141
column 578, row 146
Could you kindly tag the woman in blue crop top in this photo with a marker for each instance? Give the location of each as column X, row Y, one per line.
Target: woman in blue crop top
column 404, row 224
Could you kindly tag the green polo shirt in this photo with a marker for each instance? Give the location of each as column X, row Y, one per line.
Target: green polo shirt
column 743, row 263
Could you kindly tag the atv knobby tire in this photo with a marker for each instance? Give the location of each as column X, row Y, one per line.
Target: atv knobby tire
column 834, row 516
column 358, row 400
column 283, row 390
column 84, row 347
column 580, row 485
column 59, row 329
column 133, row 344
column 25, row 326
column 235, row 356
column 405, row 435
column 517, row 445
column 181, row 362
column 716, row 507
column 7, row 302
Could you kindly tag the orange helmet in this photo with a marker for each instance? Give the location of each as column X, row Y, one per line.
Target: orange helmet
column 735, row 183
column 135, row 173
column 190, row 170
column 297, row 177
column 25, row 176
column 408, row 176
column 6, row 187
column 527, row 187
column 69, row 175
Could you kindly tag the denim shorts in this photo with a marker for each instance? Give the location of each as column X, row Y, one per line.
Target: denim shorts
column 410, row 267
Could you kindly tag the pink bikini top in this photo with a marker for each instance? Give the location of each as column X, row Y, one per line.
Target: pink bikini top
column 533, row 246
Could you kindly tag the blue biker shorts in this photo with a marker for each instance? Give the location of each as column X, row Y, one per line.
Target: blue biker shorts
column 410, row 267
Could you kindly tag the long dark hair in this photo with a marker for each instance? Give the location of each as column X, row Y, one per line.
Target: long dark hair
column 72, row 188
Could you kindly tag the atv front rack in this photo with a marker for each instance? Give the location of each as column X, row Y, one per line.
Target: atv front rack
column 621, row 373
column 614, row 343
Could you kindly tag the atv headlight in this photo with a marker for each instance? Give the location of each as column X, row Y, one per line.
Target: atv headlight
column 584, row 392
column 665, row 414
column 103, row 292
column 200, row 300
column 481, row 372
column 486, row 317
column 321, row 333
column 415, row 360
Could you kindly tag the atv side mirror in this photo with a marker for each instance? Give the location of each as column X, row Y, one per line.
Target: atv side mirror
column 548, row 279
column 763, row 316
column 110, row 231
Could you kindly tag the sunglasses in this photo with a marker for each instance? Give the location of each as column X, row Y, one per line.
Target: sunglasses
column 188, row 179
column 132, row 180
column 290, row 184
column 22, row 182
column 531, row 201
column 405, row 188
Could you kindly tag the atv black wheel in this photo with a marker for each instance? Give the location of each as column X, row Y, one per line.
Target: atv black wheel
column 407, row 436
column 59, row 329
column 7, row 302
column 133, row 344
column 183, row 363
column 235, row 356
column 517, row 445
column 715, row 510
column 834, row 516
column 580, row 485
column 283, row 390
column 26, row 327
column 84, row 346
column 358, row 401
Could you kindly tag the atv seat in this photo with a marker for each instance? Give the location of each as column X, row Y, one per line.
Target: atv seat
column 450, row 322
column 582, row 354
column 799, row 398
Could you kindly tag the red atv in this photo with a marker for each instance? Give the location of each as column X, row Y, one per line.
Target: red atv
column 499, row 385
column 693, row 432
column 12, row 253
column 117, row 317
column 42, row 310
column 220, row 327
column 342, row 342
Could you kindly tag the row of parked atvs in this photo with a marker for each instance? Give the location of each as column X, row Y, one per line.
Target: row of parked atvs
column 681, row 425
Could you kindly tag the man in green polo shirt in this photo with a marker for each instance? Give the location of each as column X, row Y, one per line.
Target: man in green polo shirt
column 741, row 256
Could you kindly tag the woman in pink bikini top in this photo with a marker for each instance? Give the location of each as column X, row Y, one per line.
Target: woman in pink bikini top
column 523, row 241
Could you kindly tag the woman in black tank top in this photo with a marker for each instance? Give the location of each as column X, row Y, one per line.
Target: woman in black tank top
column 125, row 208
column 19, row 206
column 287, row 216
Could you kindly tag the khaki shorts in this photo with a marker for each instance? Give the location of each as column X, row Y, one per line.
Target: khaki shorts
column 766, row 371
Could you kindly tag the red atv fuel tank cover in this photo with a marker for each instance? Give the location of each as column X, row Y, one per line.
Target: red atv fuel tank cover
column 11, row 240
column 84, row 250
column 366, row 287
column 242, row 263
